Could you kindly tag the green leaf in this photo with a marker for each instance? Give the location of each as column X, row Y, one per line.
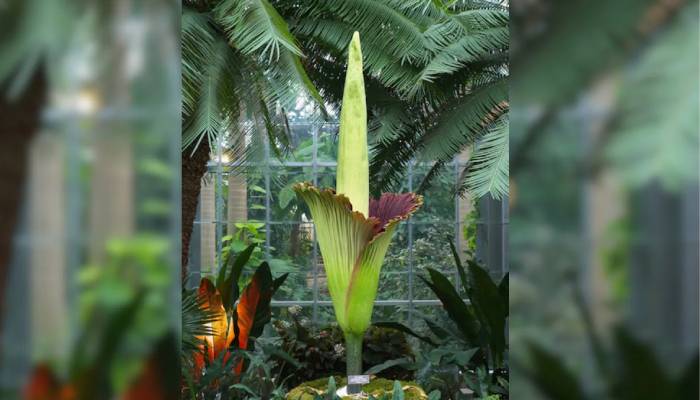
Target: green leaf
column 285, row 196
column 281, row 354
column 552, row 377
column 463, row 357
column 487, row 172
column 687, row 385
column 466, row 121
column 658, row 96
column 228, row 286
column 503, row 291
column 258, row 189
column 457, row 310
column 436, row 329
column 403, row 328
column 460, row 268
column 640, row 374
column 490, row 309
column 404, row 361
column 478, row 46
column 278, row 282
column 244, row 388
column 254, row 26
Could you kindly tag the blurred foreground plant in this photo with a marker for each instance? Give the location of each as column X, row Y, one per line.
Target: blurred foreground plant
column 123, row 336
column 629, row 368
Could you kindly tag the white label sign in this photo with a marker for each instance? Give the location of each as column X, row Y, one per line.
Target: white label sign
column 358, row 379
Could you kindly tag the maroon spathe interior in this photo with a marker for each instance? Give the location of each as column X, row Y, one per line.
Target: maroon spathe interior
column 390, row 206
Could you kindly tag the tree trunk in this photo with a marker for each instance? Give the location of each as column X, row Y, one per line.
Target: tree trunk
column 20, row 120
column 194, row 166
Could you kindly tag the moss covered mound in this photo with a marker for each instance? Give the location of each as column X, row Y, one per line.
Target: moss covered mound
column 376, row 387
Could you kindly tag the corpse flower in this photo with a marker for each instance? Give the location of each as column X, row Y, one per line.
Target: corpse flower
column 353, row 230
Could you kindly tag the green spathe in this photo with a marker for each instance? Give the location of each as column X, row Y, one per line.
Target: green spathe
column 352, row 255
column 353, row 165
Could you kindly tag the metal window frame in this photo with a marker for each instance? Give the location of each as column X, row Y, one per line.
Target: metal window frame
column 495, row 229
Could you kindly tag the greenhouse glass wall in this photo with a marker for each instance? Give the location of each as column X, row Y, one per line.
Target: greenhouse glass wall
column 254, row 201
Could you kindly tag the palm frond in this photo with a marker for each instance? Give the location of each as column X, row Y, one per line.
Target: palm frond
column 391, row 157
column 210, row 118
column 468, row 49
column 487, row 172
column 656, row 134
column 196, row 322
column 387, row 68
column 255, row 27
column 377, row 22
column 198, row 38
column 465, row 122
column 595, row 32
column 288, row 79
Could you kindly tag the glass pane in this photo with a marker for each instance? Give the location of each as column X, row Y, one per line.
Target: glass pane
column 439, row 203
column 256, row 195
column 328, row 143
column 298, row 286
column 397, row 256
column 302, row 142
column 393, row 286
column 284, row 205
column 326, row 177
column 390, row 313
column 431, row 248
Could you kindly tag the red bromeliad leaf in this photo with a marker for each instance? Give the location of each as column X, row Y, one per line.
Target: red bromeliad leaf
column 252, row 313
column 68, row 392
column 148, row 386
column 42, row 385
column 245, row 310
column 222, row 327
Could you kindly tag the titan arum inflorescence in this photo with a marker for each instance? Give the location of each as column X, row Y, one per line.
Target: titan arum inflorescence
column 353, row 230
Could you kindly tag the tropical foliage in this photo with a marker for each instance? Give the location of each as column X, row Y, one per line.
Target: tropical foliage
column 470, row 349
column 220, row 322
column 629, row 39
column 436, row 75
column 628, row 366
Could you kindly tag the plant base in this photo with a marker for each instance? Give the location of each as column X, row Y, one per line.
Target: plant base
column 377, row 387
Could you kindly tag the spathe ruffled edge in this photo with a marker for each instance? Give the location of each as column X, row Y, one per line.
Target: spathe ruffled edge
column 392, row 208
column 389, row 209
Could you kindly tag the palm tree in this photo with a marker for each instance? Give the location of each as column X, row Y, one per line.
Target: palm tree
column 239, row 61
column 436, row 81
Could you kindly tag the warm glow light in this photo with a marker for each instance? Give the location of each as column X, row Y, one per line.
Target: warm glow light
column 86, row 102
